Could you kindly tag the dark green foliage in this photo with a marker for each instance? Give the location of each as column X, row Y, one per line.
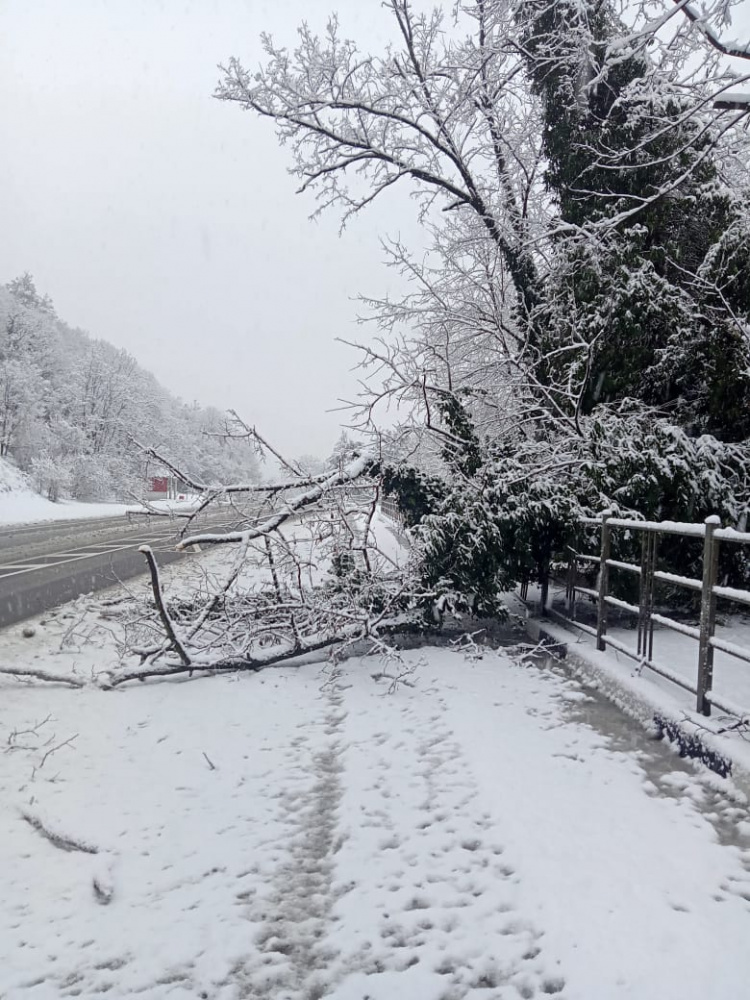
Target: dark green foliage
column 415, row 492
column 497, row 530
column 660, row 473
column 662, row 297
column 512, row 520
column 461, row 450
column 642, row 313
column 487, row 524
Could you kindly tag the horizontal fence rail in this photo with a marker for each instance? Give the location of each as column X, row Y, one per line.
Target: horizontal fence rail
column 712, row 536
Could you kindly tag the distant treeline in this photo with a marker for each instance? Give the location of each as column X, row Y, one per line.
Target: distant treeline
column 71, row 405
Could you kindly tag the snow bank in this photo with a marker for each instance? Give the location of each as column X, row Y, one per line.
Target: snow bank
column 19, row 504
column 11, row 480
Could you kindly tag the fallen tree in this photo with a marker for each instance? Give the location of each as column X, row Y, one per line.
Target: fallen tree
column 310, row 574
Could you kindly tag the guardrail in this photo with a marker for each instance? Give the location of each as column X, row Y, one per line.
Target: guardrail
column 712, row 535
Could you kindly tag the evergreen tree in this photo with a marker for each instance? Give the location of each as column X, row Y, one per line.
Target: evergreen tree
column 660, row 278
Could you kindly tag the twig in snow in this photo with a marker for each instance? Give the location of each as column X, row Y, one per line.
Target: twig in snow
column 740, row 726
column 103, row 891
column 209, row 761
column 31, row 731
column 467, row 645
column 43, row 675
column 57, row 839
column 395, row 680
column 402, row 676
column 54, row 749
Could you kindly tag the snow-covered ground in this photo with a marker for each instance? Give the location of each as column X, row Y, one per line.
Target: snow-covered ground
column 483, row 829
column 27, row 508
column 19, row 504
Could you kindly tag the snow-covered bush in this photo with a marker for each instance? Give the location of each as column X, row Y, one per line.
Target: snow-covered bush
column 515, row 516
column 50, row 476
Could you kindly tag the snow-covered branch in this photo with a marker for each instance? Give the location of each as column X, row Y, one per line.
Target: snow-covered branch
column 358, row 467
column 734, row 49
column 318, row 572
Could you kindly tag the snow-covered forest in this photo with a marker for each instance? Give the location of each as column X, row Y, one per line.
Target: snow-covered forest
column 72, row 408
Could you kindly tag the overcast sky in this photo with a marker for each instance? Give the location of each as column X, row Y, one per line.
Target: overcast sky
column 164, row 221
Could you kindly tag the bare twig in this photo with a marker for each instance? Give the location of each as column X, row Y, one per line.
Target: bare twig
column 361, row 466
column 54, row 749
column 57, row 839
column 31, row 731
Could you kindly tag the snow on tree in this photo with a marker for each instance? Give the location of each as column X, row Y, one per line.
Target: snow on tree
column 70, row 407
column 588, row 279
column 310, row 573
column 23, row 289
column 633, row 159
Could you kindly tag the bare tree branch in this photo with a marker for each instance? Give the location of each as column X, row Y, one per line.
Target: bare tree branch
column 169, row 626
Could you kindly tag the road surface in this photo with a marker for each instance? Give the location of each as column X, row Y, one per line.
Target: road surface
column 43, row 565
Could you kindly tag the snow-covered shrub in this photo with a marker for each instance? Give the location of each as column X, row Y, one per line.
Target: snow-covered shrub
column 496, row 518
column 650, row 468
column 515, row 517
column 50, row 475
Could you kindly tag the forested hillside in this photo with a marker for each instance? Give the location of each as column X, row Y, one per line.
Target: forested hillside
column 71, row 405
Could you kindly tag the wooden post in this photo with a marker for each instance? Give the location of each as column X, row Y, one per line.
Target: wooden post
column 601, row 617
column 708, row 615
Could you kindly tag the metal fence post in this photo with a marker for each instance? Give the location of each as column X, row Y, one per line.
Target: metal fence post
column 570, row 592
column 652, row 570
column 649, row 548
column 601, row 617
column 643, row 595
column 708, row 614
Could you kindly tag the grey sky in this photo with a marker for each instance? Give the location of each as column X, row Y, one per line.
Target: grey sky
column 164, row 221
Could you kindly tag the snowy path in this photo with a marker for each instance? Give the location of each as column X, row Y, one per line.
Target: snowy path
column 490, row 833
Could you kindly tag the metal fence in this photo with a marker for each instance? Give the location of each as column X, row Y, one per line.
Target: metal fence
column 391, row 509
column 713, row 536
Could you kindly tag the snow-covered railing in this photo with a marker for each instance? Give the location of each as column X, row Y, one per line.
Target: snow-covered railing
column 712, row 535
column 391, row 509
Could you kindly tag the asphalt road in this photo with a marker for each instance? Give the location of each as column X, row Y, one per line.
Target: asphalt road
column 44, row 565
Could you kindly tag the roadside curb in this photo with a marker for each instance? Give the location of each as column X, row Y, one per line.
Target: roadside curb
column 653, row 709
